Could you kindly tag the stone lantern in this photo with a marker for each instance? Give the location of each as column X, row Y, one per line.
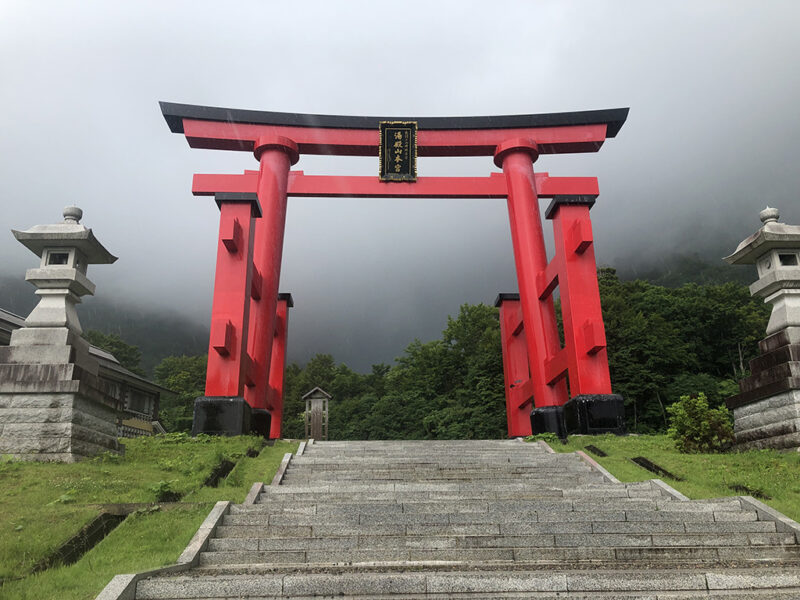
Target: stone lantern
column 767, row 409
column 53, row 406
column 66, row 250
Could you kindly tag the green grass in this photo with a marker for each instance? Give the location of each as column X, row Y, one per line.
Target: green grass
column 143, row 541
column 776, row 474
column 44, row 504
column 246, row 472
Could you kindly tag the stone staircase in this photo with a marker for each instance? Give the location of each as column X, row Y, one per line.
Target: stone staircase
column 480, row 519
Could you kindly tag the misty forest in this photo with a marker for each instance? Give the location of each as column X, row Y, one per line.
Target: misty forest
column 663, row 342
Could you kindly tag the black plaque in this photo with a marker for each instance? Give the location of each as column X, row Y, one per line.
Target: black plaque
column 398, row 151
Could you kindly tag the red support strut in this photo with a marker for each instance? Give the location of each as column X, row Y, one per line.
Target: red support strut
column 277, row 365
column 227, row 349
column 574, row 268
column 516, row 370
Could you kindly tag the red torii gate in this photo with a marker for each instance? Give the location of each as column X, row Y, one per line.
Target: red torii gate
column 249, row 318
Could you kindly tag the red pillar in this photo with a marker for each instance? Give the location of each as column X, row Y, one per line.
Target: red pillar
column 516, row 158
column 516, row 371
column 227, row 351
column 275, row 155
column 584, row 333
column 277, row 366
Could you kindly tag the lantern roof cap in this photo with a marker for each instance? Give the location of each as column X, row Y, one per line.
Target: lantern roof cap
column 772, row 235
column 70, row 234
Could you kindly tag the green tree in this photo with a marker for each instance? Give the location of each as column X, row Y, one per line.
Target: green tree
column 186, row 377
column 128, row 356
column 664, row 343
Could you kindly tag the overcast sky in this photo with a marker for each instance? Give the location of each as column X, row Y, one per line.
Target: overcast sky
column 713, row 136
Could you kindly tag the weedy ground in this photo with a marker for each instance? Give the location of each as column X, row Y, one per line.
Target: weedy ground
column 42, row 505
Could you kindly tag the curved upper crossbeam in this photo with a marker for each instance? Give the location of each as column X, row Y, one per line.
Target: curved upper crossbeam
column 234, row 129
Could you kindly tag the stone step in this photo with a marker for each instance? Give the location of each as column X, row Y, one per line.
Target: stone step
column 445, row 517
column 464, row 479
column 688, row 534
column 427, row 461
column 420, row 506
column 288, row 494
column 431, row 474
column 378, row 544
column 350, row 464
column 524, row 521
column 714, row 583
column 679, row 549
column 458, row 455
column 682, row 549
column 342, row 508
column 252, row 541
column 528, row 478
column 281, row 500
column 366, row 487
column 596, row 486
column 515, row 508
column 524, row 542
column 554, row 554
column 347, row 463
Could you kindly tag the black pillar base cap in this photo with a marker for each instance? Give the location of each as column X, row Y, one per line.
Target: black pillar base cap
column 587, row 414
column 591, row 414
column 260, row 421
column 549, row 419
column 222, row 415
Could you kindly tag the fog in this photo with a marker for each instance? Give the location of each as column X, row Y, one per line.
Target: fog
column 712, row 137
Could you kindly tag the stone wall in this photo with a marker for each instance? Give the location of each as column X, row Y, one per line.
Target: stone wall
column 55, row 427
column 770, row 423
column 55, row 413
column 766, row 411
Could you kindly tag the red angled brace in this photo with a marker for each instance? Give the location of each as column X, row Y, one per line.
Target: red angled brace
column 519, row 388
column 277, row 366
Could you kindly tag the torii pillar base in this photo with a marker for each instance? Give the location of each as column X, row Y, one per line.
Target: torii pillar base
column 588, row 414
column 216, row 415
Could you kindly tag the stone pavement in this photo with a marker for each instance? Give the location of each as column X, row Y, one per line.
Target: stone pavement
column 481, row 519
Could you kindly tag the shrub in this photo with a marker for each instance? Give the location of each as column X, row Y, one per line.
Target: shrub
column 697, row 428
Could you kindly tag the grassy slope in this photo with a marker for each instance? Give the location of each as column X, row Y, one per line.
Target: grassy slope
column 42, row 505
column 143, row 541
column 776, row 474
